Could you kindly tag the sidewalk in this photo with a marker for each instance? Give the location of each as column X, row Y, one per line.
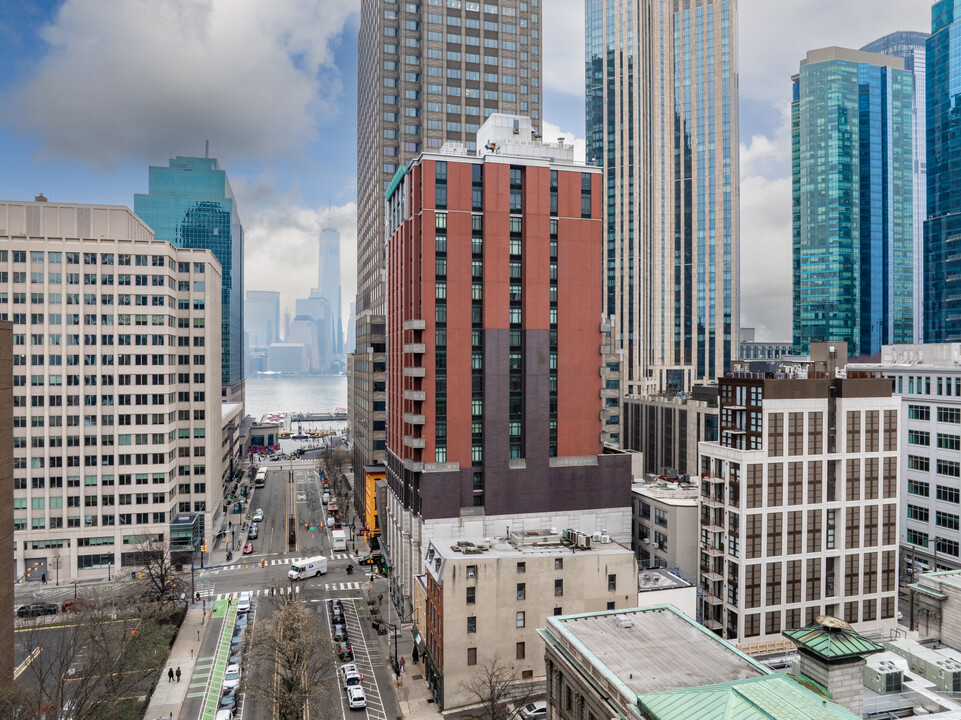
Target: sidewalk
column 169, row 696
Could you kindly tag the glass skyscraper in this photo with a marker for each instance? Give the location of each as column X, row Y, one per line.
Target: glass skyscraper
column 190, row 204
column 852, row 200
column 911, row 47
column 942, row 230
column 662, row 120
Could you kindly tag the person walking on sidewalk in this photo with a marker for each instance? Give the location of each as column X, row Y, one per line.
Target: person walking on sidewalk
column 170, row 674
column 43, row 578
column 414, row 656
column 178, row 673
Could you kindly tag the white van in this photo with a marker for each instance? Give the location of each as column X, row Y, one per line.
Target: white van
column 338, row 539
column 308, row 567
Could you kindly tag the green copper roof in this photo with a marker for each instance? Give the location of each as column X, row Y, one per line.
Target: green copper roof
column 771, row 697
column 832, row 639
column 925, row 590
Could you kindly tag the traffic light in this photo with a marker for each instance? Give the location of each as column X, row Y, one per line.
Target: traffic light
column 263, row 562
column 203, row 547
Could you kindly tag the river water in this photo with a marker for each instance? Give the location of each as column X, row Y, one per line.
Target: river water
column 322, row 393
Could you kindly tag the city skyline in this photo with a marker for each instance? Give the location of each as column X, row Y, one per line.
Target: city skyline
column 288, row 192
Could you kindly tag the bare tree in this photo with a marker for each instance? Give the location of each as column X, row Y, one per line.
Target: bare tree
column 90, row 664
column 158, row 578
column 492, row 686
column 292, row 662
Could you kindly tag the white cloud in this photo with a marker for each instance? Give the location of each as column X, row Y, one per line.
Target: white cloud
column 563, row 31
column 551, row 133
column 129, row 79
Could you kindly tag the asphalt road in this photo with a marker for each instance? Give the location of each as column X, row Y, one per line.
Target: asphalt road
column 281, row 499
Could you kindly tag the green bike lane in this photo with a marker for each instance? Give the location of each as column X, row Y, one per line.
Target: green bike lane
column 203, row 694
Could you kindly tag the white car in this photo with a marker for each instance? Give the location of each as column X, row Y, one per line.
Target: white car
column 351, row 675
column 259, row 515
column 231, row 677
column 533, row 711
column 356, row 699
column 224, row 715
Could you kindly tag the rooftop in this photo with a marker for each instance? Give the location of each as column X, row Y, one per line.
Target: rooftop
column 832, row 640
column 652, row 649
column 762, row 698
column 951, row 578
column 681, row 493
column 659, row 579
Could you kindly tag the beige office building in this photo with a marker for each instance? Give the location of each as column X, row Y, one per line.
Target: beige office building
column 117, row 422
column 799, row 500
column 429, row 73
column 486, row 598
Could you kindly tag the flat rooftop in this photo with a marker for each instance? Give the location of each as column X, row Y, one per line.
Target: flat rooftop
column 660, row 650
column 659, row 579
column 951, row 578
column 674, row 493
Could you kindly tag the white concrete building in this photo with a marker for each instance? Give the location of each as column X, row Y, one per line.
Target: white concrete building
column 484, row 600
column 927, row 378
column 799, row 513
column 117, row 418
column 664, row 519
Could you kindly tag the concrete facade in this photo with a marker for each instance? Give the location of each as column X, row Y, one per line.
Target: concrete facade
column 799, row 514
column 486, row 600
column 664, row 514
column 7, row 571
column 117, row 385
column 927, row 378
column 667, row 429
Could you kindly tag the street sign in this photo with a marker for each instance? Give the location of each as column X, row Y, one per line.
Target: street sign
column 406, row 626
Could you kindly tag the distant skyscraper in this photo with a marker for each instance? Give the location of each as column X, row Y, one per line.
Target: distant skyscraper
column 662, row 119
column 328, row 283
column 190, row 204
column 351, row 331
column 942, row 251
column 428, row 73
column 853, row 205
column 262, row 316
column 911, row 47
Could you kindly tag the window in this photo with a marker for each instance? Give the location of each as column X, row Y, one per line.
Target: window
column 558, row 563
column 558, row 587
column 916, row 487
column 948, row 494
column 611, row 583
column 471, row 571
column 919, row 412
column 471, row 625
column 471, row 656
column 951, row 468
column 521, row 568
column 521, row 591
column 949, row 415
column 919, row 437
column 470, row 595
column 519, row 619
column 520, row 651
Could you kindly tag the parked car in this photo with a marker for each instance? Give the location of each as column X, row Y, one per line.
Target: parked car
column 533, row 711
column 356, row 699
column 225, row 714
column 231, row 677
column 37, row 609
column 248, row 548
column 337, row 615
column 350, row 675
column 243, row 603
column 253, row 532
column 326, row 498
column 229, row 700
column 77, row 604
column 335, row 604
column 339, row 632
column 344, row 651
column 259, row 515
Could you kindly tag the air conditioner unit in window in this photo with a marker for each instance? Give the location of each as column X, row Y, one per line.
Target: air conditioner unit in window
column 647, row 541
column 656, row 545
column 470, row 573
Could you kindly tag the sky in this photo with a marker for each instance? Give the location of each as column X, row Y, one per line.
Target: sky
column 92, row 92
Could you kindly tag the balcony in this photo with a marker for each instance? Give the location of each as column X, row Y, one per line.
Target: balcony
column 415, row 442
column 415, row 395
column 415, row 348
column 415, row 372
column 415, row 325
column 711, row 623
column 412, row 419
column 707, row 572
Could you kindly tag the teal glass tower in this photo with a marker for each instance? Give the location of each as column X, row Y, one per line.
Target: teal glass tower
column 190, row 204
column 942, row 229
column 852, row 200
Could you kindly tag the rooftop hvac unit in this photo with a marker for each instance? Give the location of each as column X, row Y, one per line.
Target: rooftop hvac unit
column 605, row 538
column 596, row 537
column 583, row 541
column 624, row 621
column 884, row 679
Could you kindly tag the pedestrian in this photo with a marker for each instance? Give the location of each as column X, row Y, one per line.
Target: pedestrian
column 178, row 673
column 170, row 674
column 43, row 579
column 414, row 656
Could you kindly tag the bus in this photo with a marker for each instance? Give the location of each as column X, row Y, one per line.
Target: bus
column 260, row 478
